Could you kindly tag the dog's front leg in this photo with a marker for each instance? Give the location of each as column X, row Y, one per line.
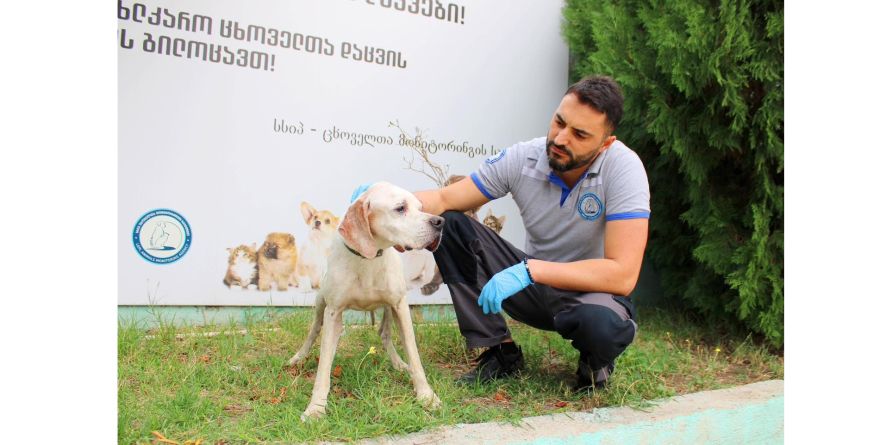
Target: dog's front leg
column 422, row 390
column 385, row 332
column 331, row 332
column 264, row 282
column 319, row 309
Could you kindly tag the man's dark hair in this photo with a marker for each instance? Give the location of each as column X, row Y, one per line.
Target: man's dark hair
column 603, row 94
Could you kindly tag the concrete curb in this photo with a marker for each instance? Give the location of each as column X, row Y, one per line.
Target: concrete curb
column 746, row 414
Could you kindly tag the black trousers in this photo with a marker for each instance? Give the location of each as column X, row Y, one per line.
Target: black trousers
column 600, row 325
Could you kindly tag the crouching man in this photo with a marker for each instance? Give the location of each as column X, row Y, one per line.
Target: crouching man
column 584, row 199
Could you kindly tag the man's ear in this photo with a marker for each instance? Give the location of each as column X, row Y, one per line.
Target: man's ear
column 307, row 211
column 608, row 142
column 355, row 228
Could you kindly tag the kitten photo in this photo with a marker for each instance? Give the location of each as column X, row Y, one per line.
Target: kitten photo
column 242, row 266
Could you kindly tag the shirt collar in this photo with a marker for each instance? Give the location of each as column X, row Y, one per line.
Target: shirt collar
column 542, row 166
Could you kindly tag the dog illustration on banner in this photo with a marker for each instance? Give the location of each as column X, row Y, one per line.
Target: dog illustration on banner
column 279, row 262
column 322, row 226
column 277, row 259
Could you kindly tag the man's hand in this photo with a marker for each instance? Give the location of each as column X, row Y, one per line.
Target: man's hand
column 359, row 191
column 502, row 285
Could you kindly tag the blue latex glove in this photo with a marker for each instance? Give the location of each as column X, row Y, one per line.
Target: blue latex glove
column 502, row 285
column 359, row 191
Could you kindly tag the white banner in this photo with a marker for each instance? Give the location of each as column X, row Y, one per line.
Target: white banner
column 232, row 114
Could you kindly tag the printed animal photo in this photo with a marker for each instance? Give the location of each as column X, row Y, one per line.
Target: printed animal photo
column 496, row 223
column 418, row 268
column 242, row 266
column 277, row 260
column 314, row 252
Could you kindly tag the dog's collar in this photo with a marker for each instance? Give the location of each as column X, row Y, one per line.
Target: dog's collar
column 380, row 252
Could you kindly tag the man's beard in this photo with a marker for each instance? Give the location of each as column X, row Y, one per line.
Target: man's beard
column 572, row 163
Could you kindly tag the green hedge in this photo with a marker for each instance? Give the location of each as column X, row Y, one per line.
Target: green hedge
column 704, row 109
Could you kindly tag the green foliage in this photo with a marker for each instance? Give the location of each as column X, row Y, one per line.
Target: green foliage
column 704, row 109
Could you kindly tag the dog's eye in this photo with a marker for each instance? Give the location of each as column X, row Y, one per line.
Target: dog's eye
column 327, row 221
column 400, row 209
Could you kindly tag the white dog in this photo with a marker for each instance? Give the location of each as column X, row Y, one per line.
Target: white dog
column 364, row 273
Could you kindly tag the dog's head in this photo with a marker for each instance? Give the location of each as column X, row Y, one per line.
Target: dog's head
column 319, row 221
column 387, row 215
column 276, row 243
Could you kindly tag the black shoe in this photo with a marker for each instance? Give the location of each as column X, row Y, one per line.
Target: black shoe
column 504, row 360
column 590, row 379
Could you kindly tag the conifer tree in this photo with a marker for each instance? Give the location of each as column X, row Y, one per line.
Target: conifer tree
column 704, row 109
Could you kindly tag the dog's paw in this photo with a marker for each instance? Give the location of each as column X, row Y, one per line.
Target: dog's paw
column 313, row 412
column 297, row 359
column 399, row 364
column 429, row 400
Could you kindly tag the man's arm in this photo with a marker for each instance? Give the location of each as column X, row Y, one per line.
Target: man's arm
column 460, row 196
column 616, row 273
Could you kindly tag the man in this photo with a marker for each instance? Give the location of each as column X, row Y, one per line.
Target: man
column 584, row 199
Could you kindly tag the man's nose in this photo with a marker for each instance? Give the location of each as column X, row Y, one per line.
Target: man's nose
column 561, row 138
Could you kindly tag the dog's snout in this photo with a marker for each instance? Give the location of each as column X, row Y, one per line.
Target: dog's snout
column 437, row 222
column 317, row 223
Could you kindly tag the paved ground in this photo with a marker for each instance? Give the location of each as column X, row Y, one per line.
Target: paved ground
column 749, row 414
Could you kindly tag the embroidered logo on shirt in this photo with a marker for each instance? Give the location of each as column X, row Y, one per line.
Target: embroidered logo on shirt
column 496, row 158
column 589, row 206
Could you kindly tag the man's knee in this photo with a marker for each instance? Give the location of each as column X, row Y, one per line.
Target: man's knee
column 453, row 217
column 597, row 330
column 456, row 225
column 456, row 256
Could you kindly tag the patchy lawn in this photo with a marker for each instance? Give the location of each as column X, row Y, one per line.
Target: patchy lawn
column 184, row 385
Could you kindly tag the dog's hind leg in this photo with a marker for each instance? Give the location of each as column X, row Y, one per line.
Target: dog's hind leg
column 423, row 390
column 319, row 307
column 331, row 332
column 384, row 330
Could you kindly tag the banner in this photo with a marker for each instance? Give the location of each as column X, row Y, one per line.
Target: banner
column 244, row 127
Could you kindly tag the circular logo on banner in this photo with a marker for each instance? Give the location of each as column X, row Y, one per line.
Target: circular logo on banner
column 161, row 236
column 590, row 207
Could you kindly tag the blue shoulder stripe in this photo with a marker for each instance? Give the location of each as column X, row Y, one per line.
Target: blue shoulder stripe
column 627, row 215
column 480, row 186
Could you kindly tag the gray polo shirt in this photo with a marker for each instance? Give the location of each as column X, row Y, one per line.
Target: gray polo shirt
column 562, row 224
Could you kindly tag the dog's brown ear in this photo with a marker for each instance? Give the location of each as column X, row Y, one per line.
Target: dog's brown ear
column 355, row 230
column 307, row 211
column 501, row 219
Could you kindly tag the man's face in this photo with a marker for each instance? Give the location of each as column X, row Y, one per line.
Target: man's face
column 578, row 134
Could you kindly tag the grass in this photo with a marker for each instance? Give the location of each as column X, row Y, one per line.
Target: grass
column 235, row 388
